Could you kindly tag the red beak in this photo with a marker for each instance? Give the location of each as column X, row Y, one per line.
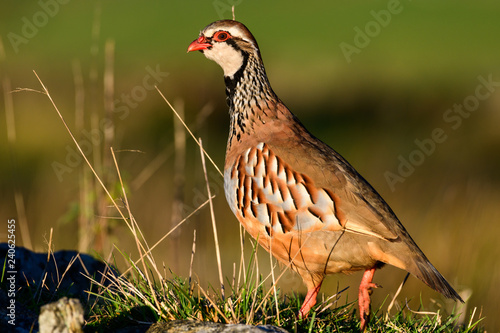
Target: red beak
column 199, row 44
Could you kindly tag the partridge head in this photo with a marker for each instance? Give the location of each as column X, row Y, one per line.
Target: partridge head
column 297, row 196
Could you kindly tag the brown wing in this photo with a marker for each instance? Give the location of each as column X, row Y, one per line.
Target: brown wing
column 284, row 200
column 357, row 206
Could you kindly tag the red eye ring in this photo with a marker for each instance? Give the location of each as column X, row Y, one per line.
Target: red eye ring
column 221, row 36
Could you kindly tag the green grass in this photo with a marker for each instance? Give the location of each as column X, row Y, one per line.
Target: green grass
column 141, row 297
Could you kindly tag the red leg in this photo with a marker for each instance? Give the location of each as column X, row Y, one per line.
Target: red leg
column 310, row 300
column 364, row 296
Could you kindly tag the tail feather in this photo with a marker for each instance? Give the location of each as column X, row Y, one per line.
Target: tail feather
column 430, row 276
column 412, row 259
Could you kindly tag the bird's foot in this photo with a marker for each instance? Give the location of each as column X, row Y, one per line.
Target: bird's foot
column 309, row 301
column 365, row 289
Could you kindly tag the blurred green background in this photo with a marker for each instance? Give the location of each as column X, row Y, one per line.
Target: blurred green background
column 396, row 88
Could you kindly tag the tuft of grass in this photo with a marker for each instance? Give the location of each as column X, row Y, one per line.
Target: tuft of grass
column 253, row 303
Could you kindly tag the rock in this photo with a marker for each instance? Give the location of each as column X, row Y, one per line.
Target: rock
column 191, row 326
column 63, row 271
column 63, row 316
column 37, row 276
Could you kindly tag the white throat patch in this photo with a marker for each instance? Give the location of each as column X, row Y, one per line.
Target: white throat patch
column 226, row 56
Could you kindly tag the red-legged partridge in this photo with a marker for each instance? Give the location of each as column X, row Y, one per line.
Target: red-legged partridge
column 302, row 200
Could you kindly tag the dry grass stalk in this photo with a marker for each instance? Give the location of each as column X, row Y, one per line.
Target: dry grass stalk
column 86, row 210
column 189, row 130
column 395, row 296
column 212, row 215
column 193, row 251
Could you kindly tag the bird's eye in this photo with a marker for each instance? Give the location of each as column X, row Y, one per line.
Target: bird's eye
column 221, row 36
